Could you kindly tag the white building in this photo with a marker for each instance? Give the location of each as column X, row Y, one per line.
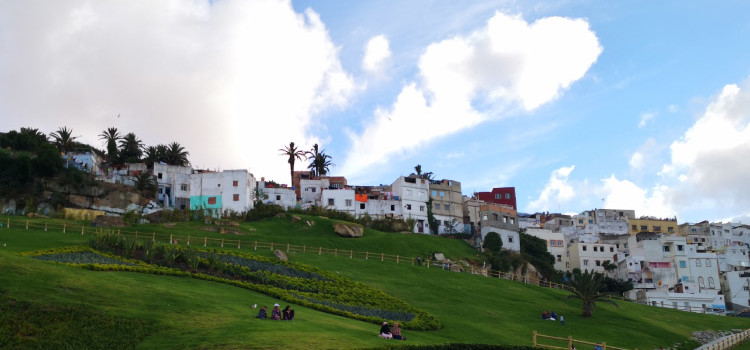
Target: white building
column 279, row 195
column 338, row 199
column 556, row 246
column 311, row 191
column 736, row 288
column 173, row 182
column 222, row 192
column 413, row 192
column 590, row 256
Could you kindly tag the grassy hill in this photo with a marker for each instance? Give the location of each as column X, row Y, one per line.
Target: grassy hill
column 75, row 305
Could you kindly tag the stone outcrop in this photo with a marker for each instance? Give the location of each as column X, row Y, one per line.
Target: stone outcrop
column 348, row 230
column 279, row 254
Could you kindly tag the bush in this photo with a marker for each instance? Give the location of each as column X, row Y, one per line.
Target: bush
column 263, row 211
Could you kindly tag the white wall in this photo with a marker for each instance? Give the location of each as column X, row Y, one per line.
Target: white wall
column 556, row 245
column 413, row 197
column 511, row 239
column 339, row 199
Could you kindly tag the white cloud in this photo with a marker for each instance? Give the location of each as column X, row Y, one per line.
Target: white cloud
column 556, row 192
column 212, row 76
column 673, row 108
column 645, row 118
column 509, row 62
column 636, row 160
column 377, row 54
column 710, row 161
column 624, row 194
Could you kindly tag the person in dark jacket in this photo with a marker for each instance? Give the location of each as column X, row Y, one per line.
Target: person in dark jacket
column 385, row 331
column 288, row 314
column 262, row 313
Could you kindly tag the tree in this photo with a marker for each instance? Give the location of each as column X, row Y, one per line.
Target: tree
column 320, row 162
column 176, row 154
column 426, row 175
column 534, row 250
column 63, row 139
column 588, row 286
column 493, row 243
column 131, row 148
column 146, row 183
column 47, row 161
column 432, row 222
column 111, row 136
column 293, row 153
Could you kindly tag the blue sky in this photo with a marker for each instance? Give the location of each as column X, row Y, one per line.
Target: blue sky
column 578, row 104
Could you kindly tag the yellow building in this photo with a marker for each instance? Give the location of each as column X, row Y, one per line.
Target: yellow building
column 653, row 225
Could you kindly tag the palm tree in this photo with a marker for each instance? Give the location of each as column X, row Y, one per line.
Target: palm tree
column 63, row 139
column 131, row 148
column 588, row 286
column 418, row 169
column 111, row 136
column 294, row 154
column 428, row 175
column 320, row 162
column 176, row 154
column 28, row 139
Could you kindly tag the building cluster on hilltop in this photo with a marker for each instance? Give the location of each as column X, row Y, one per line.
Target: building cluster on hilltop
column 700, row 267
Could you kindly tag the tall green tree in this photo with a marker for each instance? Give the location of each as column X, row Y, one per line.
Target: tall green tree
column 320, row 162
column 588, row 286
column 131, row 148
column 176, row 154
column 293, row 154
column 111, row 136
column 63, row 139
column 493, row 243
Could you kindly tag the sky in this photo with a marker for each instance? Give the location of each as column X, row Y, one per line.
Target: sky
column 577, row 104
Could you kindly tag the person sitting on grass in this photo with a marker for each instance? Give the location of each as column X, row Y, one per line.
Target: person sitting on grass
column 385, row 331
column 288, row 314
column 396, row 332
column 276, row 312
column 262, row 313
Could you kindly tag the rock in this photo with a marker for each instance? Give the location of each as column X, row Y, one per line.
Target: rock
column 296, row 218
column 109, row 221
column 348, row 230
column 280, row 215
column 439, row 256
column 279, row 254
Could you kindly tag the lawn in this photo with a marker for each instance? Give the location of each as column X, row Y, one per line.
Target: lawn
column 188, row 313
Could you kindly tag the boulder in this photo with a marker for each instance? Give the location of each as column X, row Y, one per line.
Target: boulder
column 348, row 230
column 279, row 254
column 109, row 221
column 439, row 256
column 296, row 218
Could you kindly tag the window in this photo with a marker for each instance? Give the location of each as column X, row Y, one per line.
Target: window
column 560, row 243
column 437, row 206
column 497, row 196
column 330, row 201
column 484, row 217
column 611, row 249
column 683, row 264
column 158, row 176
column 434, row 193
column 408, row 207
column 697, row 262
column 236, row 197
column 510, row 239
column 421, row 208
column 512, row 220
column 393, row 207
column 442, row 194
column 447, row 207
column 211, row 200
column 583, row 247
column 634, row 227
column 595, row 248
column 708, row 263
column 711, row 282
column 218, row 185
column 657, row 228
column 495, row 217
column 580, row 221
column 348, row 202
column 507, row 196
column 598, row 263
column 680, row 248
column 408, row 192
column 591, row 221
column 505, row 219
column 421, row 194
column 446, row 223
column 235, row 183
column 552, row 243
column 312, row 189
column 670, row 229
column 585, row 262
column 666, row 249
column 644, row 228
column 278, row 197
column 700, row 282
column 361, row 205
column 183, row 187
column 559, row 258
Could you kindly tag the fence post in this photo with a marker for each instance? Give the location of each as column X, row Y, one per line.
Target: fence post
column 45, row 225
column 304, row 248
column 64, row 225
column 205, row 241
column 153, row 236
column 8, row 223
column 238, row 244
column 351, row 253
column 382, row 256
column 136, row 235
column 222, row 242
column 396, row 258
column 27, row 225
column 335, row 251
column 367, row 255
column 428, row 263
column 604, row 345
column 188, row 241
column 570, row 342
column 534, row 338
column 82, row 228
column 271, row 245
column 320, row 250
column 412, row 261
column 287, row 247
column 256, row 244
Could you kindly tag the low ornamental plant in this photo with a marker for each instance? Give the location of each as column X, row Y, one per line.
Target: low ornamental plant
column 296, row 283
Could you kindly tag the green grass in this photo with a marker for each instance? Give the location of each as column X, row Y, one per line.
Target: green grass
column 186, row 313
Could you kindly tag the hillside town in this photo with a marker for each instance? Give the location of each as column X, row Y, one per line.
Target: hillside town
column 699, row 267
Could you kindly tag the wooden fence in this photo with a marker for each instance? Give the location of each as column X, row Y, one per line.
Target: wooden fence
column 205, row 241
column 569, row 342
column 727, row 342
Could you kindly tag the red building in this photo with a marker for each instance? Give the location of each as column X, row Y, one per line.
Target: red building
column 500, row 195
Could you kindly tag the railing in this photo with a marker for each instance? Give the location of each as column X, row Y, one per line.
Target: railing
column 726, row 342
column 570, row 342
column 206, row 241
